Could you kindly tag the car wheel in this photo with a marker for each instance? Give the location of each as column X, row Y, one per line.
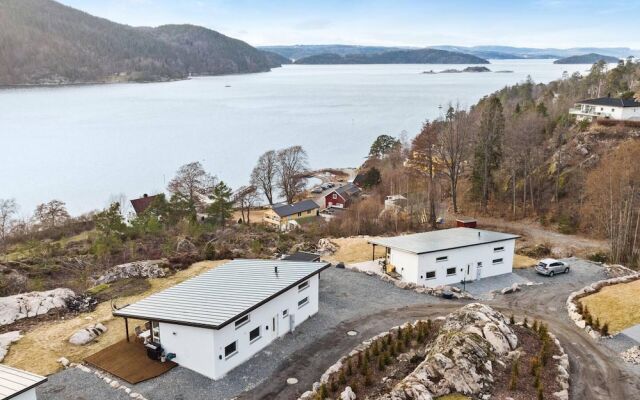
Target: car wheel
column 566, row 270
column 551, row 273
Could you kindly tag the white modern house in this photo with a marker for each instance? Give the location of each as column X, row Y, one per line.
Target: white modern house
column 449, row 256
column 607, row 108
column 17, row 384
column 216, row 321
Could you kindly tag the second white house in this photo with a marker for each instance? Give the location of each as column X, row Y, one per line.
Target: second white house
column 449, row 256
column 214, row 322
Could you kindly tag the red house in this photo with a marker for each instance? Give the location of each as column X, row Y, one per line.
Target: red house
column 342, row 197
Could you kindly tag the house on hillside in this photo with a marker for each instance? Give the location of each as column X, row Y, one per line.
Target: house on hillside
column 17, row 384
column 141, row 204
column 359, row 180
column 342, row 197
column 607, row 108
column 448, row 256
column 288, row 216
column 395, row 202
column 216, row 321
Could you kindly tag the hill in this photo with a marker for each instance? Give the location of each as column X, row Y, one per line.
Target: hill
column 44, row 42
column 586, row 59
column 421, row 56
column 299, row 51
column 275, row 59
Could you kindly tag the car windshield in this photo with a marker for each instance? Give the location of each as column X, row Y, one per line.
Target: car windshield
column 543, row 265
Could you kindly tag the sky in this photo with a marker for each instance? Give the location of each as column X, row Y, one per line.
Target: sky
column 522, row 23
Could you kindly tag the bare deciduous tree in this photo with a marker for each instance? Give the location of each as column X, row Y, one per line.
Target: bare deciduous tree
column 292, row 165
column 192, row 183
column 51, row 214
column 8, row 210
column 424, row 158
column 245, row 198
column 263, row 176
column 453, row 148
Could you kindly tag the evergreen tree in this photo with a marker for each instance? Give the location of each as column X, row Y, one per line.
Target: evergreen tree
column 488, row 149
column 222, row 206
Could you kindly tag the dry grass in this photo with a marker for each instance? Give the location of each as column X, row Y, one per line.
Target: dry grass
column 21, row 251
column 255, row 216
column 617, row 305
column 454, row 396
column 39, row 349
column 520, row 261
column 353, row 249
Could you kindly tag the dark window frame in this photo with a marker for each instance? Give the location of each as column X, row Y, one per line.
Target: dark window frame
column 426, row 276
column 303, row 302
column 252, row 332
column 240, row 322
column 455, row 271
column 303, row 286
column 497, row 261
column 227, row 354
column 442, row 259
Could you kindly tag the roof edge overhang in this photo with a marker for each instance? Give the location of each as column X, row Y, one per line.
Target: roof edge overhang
column 118, row 313
column 444, row 249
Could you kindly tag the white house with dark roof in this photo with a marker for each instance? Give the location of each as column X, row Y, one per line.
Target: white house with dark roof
column 17, row 384
column 216, row 321
column 287, row 216
column 607, row 108
column 449, row 256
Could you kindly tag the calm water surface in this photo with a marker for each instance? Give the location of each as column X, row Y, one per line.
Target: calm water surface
column 84, row 144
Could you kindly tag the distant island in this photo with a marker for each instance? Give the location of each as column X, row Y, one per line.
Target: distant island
column 587, row 59
column 420, row 56
column 47, row 43
column 458, row 71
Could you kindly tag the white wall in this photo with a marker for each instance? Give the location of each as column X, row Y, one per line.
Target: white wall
column 193, row 346
column 28, row 395
column 460, row 259
column 632, row 113
column 202, row 349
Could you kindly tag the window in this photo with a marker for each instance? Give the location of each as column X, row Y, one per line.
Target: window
column 497, row 261
column 451, row 271
column 285, row 313
column 254, row 335
column 431, row 275
column 498, row 249
column 299, row 214
column 479, row 264
column 334, row 196
column 242, row 321
column 441, row 259
column 303, row 302
column 303, row 286
column 231, row 350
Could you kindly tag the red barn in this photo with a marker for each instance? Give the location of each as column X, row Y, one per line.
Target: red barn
column 466, row 222
column 341, row 197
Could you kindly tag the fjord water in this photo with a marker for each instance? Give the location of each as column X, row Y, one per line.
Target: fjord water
column 83, row 144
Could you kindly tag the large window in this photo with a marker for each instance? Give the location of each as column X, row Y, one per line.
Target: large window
column 303, row 286
column 441, row 259
column 254, row 335
column 451, row 271
column 231, row 350
column 498, row 249
column 242, row 321
column 431, row 275
column 497, row 261
column 303, row 302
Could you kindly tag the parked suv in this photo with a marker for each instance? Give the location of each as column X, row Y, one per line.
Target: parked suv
column 550, row 267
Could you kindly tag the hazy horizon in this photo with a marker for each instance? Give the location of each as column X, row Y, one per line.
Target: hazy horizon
column 411, row 23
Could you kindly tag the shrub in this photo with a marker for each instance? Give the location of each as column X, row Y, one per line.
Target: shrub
column 376, row 348
column 596, row 324
column 599, row 257
column 349, row 368
column 364, row 368
column 367, row 379
column 322, row 392
column 387, row 359
column 605, row 329
column 334, row 386
column 525, row 322
column 341, row 378
column 535, row 364
column 540, row 392
column 354, row 387
column 535, row 325
column 512, row 320
column 381, row 363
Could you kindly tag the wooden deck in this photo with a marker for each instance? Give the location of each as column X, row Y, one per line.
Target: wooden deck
column 129, row 362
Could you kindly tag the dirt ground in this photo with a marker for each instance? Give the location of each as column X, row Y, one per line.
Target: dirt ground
column 353, row 249
column 617, row 305
column 42, row 345
column 520, row 261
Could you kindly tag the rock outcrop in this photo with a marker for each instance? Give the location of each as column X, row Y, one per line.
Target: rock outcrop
column 136, row 269
column 326, row 247
column 32, row 304
column 87, row 335
column 460, row 358
column 6, row 339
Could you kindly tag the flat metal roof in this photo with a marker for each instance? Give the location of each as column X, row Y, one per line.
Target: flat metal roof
column 219, row 296
column 15, row 381
column 446, row 239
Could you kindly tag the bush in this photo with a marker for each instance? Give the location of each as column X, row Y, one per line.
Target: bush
column 567, row 224
column 381, row 364
column 512, row 320
column 605, row 329
column 599, row 257
column 535, row 365
column 349, row 368
column 525, row 322
column 341, row 378
column 322, row 392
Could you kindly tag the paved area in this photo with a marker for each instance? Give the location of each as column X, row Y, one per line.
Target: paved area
column 633, row 333
column 368, row 266
column 485, row 288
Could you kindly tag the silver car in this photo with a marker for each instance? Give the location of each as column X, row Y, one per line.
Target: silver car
column 550, row 267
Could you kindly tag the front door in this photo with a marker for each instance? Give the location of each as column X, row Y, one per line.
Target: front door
column 470, row 272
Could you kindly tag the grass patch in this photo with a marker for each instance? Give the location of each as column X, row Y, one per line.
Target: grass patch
column 520, row 261
column 98, row 289
column 353, row 250
column 454, row 396
column 617, row 305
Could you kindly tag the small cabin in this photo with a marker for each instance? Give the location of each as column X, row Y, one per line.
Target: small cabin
column 466, row 222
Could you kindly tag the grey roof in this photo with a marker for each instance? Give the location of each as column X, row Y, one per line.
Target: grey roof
column 289, row 209
column 15, row 381
column 429, row 242
column 347, row 190
column 223, row 294
column 611, row 102
column 302, row 256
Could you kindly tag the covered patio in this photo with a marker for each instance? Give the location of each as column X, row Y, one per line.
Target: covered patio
column 128, row 361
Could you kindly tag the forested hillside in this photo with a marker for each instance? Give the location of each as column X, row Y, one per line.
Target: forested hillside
column 44, row 42
column 421, row 56
column 586, row 59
